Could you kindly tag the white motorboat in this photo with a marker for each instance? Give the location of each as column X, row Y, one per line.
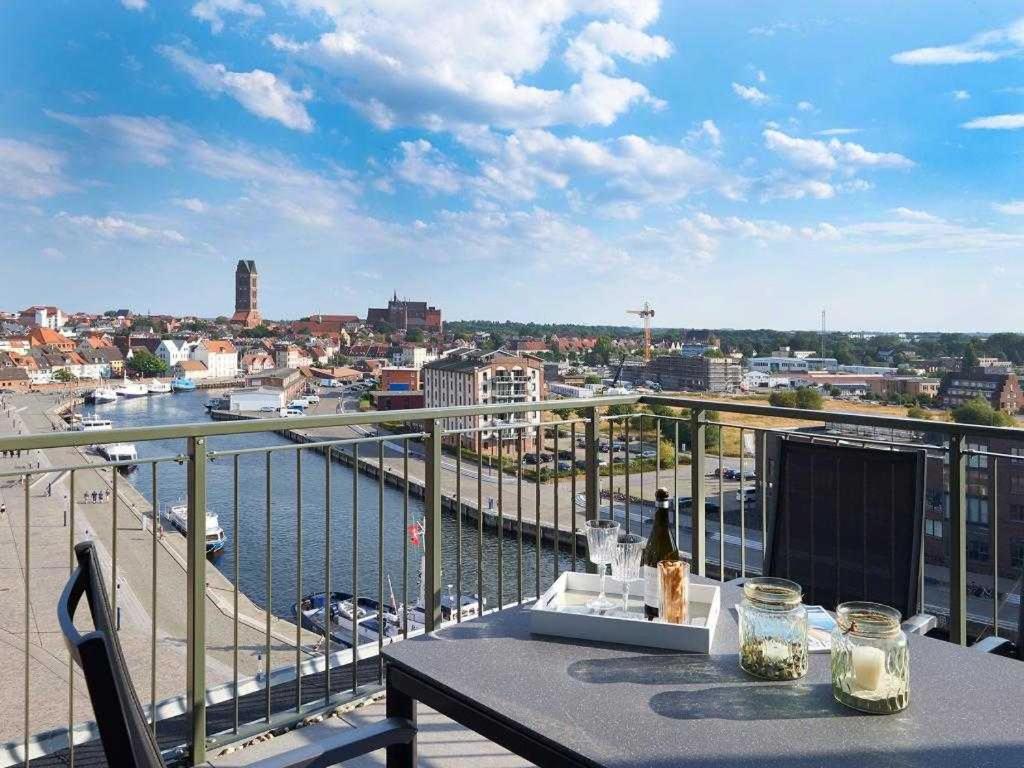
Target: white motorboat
column 92, row 424
column 118, row 452
column 312, row 613
column 132, row 389
column 103, row 395
column 156, row 387
column 215, row 538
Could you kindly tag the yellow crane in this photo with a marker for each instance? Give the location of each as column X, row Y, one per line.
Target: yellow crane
column 646, row 313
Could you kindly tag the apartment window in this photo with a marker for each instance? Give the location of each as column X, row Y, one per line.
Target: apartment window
column 933, row 528
column 1017, row 513
column 977, row 462
column 1017, row 484
column 1018, row 452
column 1017, row 553
column 977, row 549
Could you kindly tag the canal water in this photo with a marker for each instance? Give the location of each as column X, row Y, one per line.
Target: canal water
column 248, row 542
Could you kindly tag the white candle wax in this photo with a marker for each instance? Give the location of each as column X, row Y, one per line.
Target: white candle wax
column 775, row 651
column 868, row 666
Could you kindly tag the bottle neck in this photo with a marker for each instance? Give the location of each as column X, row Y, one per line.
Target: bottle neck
column 661, row 515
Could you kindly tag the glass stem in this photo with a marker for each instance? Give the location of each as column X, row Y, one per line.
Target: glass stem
column 625, row 595
column 604, row 569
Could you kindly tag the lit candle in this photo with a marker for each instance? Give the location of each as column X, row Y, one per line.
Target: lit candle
column 868, row 666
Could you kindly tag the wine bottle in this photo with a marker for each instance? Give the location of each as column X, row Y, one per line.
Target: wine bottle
column 660, row 546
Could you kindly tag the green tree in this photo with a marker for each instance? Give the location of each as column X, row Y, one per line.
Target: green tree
column 917, row 412
column 783, row 398
column 147, row 363
column 969, row 359
column 978, row 410
column 63, row 374
column 592, row 378
column 713, row 353
column 415, row 335
column 603, row 349
column 809, row 399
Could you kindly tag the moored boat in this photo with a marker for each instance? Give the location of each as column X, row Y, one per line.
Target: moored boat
column 183, row 384
column 132, row 389
column 177, row 515
column 102, row 395
column 157, row 387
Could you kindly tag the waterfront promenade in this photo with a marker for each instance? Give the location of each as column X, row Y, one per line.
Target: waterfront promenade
column 50, row 541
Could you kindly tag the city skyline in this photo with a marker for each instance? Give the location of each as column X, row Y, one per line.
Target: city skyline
column 563, row 164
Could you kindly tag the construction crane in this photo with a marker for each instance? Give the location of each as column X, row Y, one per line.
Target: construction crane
column 646, row 313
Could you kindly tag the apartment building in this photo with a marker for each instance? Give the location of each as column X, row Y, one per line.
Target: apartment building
column 485, row 378
column 908, row 386
column 694, row 374
column 219, row 356
column 172, row 352
column 1002, row 390
column 39, row 316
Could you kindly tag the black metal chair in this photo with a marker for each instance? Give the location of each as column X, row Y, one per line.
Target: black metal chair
column 126, row 735
column 846, row 524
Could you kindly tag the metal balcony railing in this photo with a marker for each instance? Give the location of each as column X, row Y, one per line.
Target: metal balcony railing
column 330, row 513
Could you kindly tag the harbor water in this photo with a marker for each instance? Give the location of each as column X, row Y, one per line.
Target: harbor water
column 248, row 541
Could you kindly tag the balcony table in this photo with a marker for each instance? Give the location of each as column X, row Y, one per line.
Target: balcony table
column 560, row 702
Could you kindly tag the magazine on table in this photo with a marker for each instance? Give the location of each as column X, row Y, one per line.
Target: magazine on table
column 820, row 624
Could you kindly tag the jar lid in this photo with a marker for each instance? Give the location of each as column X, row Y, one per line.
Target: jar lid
column 773, row 593
column 867, row 619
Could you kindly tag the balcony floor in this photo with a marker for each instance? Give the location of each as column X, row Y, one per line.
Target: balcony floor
column 442, row 742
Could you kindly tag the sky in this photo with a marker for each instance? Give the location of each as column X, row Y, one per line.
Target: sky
column 735, row 164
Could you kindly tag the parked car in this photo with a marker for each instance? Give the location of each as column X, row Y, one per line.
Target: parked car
column 312, row 399
column 530, row 458
column 648, row 454
column 545, row 456
column 567, row 455
column 268, row 409
column 731, row 474
column 582, row 464
column 292, row 412
column 299, row 404
column 565, row 466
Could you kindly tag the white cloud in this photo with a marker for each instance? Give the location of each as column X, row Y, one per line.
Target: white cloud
column 29, row 171
column 193, row 204
column 815, row 163
column 213, row 11
column 260, row 92
column 961, row 95
column 707, row 129
column 761, row 76
column 911, row 214
column 927, row 234
column 750, row 93
column 1011, row 122
column 770, row 30
column 423, row 165
column 625, row 168
column 838, row 131
column 443, row 64
column 146, row 139
column 985, row 47
column 1011, row 207
column 117, row 228
column 805, row 106
column 135, row 5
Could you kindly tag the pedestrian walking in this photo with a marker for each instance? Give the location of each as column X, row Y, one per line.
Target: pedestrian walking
column 3, row 509
column 49, row 489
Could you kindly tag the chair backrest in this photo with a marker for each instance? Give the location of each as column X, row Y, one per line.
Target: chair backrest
column 848, row 523
column 126, row 736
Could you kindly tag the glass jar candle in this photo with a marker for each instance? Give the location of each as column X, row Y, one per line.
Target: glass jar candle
column 870, row 659
column 773, row 629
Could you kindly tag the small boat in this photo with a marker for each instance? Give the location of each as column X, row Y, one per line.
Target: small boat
column 132, row 389
column 92, row 424
column 156, row 387
column 367, row 615
column 118, row 452
column 215, row 538
column 102, row 395
column 183, row 384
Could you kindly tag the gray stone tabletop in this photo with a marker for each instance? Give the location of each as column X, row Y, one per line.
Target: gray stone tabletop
column 627, row 706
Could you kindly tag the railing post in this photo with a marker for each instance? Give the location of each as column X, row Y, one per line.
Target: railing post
column 698, row 430
column 196, row 597
column 432, row 542
column 957, row 539
column 592, row 487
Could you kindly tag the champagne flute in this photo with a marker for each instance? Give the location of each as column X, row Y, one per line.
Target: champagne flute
column 602, row 536
column 626, row 559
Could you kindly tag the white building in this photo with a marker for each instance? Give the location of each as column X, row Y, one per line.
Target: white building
column 562, row 389
column 43, row 317
column 754, row 381
column 479, row 378
column 172, row 352
column 868, row 370
column 219, row 356
column 414, row 357
column 776, row 364
column 254, row 398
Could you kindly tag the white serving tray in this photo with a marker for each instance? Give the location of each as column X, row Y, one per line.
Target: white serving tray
column 562, row 611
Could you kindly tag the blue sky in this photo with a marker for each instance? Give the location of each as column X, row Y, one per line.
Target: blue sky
column 736, row 164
